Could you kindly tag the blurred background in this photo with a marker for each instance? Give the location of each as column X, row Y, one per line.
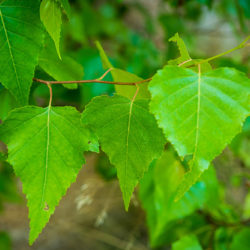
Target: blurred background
column 134, row 34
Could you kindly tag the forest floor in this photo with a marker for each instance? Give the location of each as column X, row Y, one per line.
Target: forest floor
column 90, row 216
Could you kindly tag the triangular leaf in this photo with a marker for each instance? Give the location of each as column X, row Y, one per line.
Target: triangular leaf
column 21, row 37
column 200, row 113
column 128, row 134
column 51, row 16
column 120, row 75
column 66, row 69
column 45, row 148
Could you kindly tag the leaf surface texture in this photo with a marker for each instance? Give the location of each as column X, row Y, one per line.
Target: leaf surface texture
column 128, row 134
column 45, row 148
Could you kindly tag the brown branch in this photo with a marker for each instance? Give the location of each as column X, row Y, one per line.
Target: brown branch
column 91, row 81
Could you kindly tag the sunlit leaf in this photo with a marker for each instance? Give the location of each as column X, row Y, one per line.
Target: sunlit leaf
column 128, row 134
column 200, row 113
column 45, row 148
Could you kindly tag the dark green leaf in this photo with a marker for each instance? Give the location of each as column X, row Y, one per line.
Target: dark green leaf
column 65, row 69
column 120, row 75
column 189, row 242
column 21, row 37
column 51, row 16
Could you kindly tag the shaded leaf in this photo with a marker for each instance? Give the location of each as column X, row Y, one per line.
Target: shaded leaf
column 157, row 192
column 5, row 241
column 21, row 37
column 66, row 6
column 51, row 16
column 120, row 75
column 66, row 69
column 7, row 103
column 241, row 240
column 189, row 242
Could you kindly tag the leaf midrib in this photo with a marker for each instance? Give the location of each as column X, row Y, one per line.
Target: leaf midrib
column 198, row 114
column 46, row 158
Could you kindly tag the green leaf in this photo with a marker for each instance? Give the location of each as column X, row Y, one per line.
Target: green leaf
column 8, row 189
column 7, row 103
column 120, row 75
column 5, row 242
column 184, row 55
column 45, row 148
column 200, row 113
column 246, row 212
column 241, row 240
column 2, row 156
column 66, row 6
column 66, row 69
column 21, row 37
column 222, row 238
column 51, row 16
column 128, row 134
column 189, row 242
column 157, row 192
column 241, row 144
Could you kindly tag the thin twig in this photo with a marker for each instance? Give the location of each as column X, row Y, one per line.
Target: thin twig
column 99, row 80
column 91, row 81
column 50, row 94
column 105, row 74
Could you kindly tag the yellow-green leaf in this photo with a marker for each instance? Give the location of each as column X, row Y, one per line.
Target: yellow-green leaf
column 200, row 113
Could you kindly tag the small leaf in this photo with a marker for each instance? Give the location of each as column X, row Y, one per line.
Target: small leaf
column 66, row 6
column 188, row 242
column 66, row 69
column 184, row 55
column 120, row 75
column 200, row 113
column 51, row 16
column 128, row 134
column 21, row 37
column 45, row 148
